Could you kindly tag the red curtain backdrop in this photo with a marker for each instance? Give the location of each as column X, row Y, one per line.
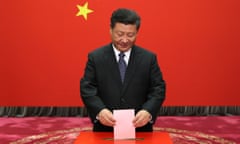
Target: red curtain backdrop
column 44, row 47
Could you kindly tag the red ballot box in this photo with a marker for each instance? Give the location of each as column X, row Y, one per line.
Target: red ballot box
column 89, row 137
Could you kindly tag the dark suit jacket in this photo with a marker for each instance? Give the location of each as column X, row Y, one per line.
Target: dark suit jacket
column 101, row 86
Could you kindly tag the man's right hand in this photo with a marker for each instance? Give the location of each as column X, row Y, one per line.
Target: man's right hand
column 105, row 116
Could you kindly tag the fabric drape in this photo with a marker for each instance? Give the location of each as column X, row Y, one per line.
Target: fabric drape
column 82, row 111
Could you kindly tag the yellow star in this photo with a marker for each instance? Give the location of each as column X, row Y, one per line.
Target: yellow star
column 84, row 10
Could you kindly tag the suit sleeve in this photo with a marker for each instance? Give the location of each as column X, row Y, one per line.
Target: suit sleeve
column 156, row 95
column 89, row 89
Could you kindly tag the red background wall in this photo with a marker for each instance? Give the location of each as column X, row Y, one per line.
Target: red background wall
column 44, row 46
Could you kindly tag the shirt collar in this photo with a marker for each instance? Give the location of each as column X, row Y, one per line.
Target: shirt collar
column 127, row 53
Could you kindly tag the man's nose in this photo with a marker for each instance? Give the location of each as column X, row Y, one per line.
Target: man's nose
column 125, row 39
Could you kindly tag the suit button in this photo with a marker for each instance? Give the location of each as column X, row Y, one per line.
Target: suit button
column 122, row 100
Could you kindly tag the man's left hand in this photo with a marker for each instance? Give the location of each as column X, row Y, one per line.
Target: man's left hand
column 141, row 118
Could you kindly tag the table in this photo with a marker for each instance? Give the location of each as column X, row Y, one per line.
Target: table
column 90, row 137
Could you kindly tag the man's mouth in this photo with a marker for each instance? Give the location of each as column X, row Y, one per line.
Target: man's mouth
column 124, row 45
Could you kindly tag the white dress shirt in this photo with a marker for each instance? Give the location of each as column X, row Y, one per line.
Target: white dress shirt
column 126, row 57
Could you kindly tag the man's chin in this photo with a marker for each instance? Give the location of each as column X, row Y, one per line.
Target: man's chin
column 124, row 48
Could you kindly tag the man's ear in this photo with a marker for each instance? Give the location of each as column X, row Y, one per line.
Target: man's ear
column 110, row 31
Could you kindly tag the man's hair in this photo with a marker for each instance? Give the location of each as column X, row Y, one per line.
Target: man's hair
column 125, row 16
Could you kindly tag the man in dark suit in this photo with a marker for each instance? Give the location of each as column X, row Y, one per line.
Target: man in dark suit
column 121, row 75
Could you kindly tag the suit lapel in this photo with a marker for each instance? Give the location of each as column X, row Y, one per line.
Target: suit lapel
column 112, row 65
column 131, row 69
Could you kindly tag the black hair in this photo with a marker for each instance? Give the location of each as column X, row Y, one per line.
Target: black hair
column 125, row 16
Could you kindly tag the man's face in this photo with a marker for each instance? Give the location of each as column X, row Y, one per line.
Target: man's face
column 123, row 36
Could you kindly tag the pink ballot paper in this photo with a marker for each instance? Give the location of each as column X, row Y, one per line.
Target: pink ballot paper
column 124, row 128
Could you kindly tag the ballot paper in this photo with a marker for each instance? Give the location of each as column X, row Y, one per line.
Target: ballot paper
column 124, row 128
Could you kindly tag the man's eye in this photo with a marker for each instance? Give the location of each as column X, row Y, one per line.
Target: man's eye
column 130, row 35
column 120, row 34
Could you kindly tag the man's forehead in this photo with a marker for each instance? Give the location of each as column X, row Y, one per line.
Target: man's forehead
column 125, row 27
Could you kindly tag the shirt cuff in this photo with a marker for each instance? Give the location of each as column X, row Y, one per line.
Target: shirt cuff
column 151, row 120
